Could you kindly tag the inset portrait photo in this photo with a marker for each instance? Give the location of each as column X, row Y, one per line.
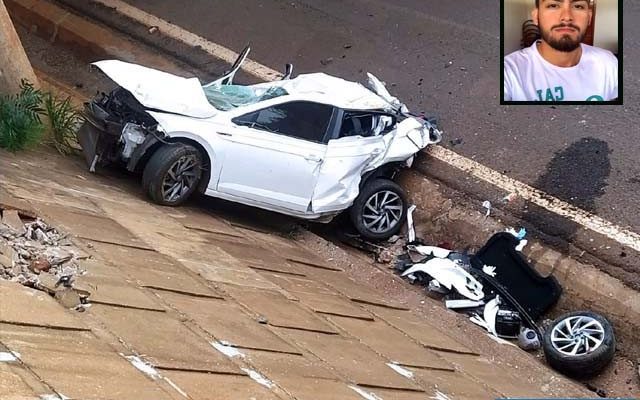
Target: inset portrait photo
column 561, row 51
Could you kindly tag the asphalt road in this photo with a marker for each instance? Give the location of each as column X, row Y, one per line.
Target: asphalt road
column 443, row 57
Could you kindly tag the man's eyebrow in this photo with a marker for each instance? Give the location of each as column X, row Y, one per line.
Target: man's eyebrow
column 562, row 1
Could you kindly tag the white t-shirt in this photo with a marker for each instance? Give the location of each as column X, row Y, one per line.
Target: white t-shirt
column 529, row 77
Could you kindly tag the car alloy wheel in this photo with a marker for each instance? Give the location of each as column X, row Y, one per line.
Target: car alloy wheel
column 173, row 173
column 382, row 211
column 379, row 210
column 579, row 344
column 577, row 335
column 180, row 178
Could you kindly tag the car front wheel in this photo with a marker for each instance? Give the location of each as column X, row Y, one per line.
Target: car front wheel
column 172, row 174
column 379, row 210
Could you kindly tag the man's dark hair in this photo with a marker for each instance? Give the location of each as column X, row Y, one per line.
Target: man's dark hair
column 537, row 3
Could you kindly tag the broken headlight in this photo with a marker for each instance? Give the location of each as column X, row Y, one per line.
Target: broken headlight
column 132, row 136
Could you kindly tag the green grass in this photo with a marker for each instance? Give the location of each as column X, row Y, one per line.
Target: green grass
column 20, row 123
column 64, row 120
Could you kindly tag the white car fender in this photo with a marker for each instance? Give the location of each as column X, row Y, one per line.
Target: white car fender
column 178, row 126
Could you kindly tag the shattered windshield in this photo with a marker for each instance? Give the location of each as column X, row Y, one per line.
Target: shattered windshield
column 227, row 97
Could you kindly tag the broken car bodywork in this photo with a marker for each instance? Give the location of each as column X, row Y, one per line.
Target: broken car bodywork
column 344, row 133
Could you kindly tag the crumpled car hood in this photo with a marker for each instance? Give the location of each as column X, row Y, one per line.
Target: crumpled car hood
column 160, row 90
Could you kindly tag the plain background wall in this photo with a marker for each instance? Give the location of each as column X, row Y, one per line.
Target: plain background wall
column 518, row 11
column 606, row 29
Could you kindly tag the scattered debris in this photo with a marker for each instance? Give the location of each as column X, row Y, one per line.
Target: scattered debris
column 9, row 356
column 461, row 303
column 384, row 256
column 448, row 64
column 40, row 265
column 153, row 29
column 365, row 395
column 36, row 255
column 411, row 230
column 347, row 46
column 456, row 141
column 440, row 396
column 326, row 61
column 399, row 369
column 599, row 392
column 510, row 197
column 500, row 292
column 12, row 220
column 393, row 239
column 256, row 376
column 142, row 366
column 56, row 396
column 528, row 339
column 487, row 204
column 227, row 349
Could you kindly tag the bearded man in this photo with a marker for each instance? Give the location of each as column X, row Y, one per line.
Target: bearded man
column 559, row 67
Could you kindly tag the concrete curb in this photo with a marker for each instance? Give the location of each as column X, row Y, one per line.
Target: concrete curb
column 584, row 285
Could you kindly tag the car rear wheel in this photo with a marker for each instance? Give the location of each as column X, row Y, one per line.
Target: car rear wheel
column 172, row 174
column 379, row 210
column 579, row 344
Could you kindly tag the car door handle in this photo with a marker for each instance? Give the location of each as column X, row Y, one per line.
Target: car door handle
column 313, row 157
column 224, row 134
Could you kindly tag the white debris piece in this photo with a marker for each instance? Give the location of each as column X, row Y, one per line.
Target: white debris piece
column 489, row 270
column 490, row 313
column 143, row 366
column 366, row 395
column 57, row 396
column 399, row 369
column 521, row 245
column 440, row 396
column 487, row 204
column 462, row 303
column 476, row 319
column 256, row 376
column 431, row 250
column 411, row 231
column 9, row 356
column 227, row 349
column 450, row 275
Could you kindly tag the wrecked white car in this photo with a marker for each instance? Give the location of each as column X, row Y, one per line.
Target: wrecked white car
column 310, row 147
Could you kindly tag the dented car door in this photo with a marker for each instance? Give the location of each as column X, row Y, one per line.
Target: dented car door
column 273, row 155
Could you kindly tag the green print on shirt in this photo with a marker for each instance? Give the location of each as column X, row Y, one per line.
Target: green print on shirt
column 549, row 94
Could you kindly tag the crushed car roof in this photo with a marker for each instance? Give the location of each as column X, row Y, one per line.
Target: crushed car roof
column 338, row 92
column 167, row 92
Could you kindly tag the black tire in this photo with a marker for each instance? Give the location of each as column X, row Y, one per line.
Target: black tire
column 156, row 179
column 589, row 363
column 361, row 214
